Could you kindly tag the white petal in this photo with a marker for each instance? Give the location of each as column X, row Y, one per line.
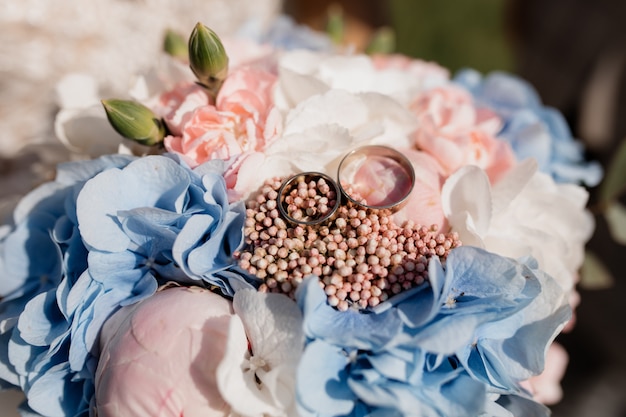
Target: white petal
column 235, row 383
column 512, row 184
column 467, row 191
column 273, row 323
column 334, row 107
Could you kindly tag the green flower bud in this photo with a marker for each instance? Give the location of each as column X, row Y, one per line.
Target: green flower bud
column 207, row 58
column 383, row 42
column 174, row 44
column 134, row 121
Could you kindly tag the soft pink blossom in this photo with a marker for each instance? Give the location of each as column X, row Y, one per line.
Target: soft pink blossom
column 457, row 133
column 242, row 120
column 546, row 387
column 176, row 105
column 416, row 67
column 424, row 203
column 159, row 357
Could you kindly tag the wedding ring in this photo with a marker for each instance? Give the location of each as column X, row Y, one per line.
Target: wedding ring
column 308, row 198
column 376, row 177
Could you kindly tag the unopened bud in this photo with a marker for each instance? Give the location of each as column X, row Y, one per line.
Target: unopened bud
column 207, row 58
column 174, row 44
column 134, row 121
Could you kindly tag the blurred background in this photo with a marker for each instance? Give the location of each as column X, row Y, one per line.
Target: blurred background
column 572, row 51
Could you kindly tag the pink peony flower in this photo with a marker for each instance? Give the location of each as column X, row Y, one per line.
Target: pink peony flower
column 242, row 120
column 159, row 357
column 456, row 133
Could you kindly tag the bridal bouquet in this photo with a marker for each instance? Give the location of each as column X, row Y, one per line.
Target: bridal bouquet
column 292, row 232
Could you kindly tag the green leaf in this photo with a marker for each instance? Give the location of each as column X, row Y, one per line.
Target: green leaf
column 383, row 42
column 615, row 215
column 615, row 179
column 594, row 275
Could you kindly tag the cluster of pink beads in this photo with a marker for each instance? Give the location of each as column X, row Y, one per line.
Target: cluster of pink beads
column 308, row 199
column 361, row 256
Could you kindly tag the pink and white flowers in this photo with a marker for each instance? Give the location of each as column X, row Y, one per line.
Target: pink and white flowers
column 278, row 113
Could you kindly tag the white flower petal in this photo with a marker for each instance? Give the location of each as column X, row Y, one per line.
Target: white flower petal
column 467, row 191
column 512, row 184
column 236, row 381
column 273, row 323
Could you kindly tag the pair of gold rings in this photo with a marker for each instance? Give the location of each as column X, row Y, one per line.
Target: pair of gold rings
column 372, row 177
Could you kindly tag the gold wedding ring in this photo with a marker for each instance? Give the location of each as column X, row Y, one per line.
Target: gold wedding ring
column 374, row 177
column 380, row 175
column 324, row 204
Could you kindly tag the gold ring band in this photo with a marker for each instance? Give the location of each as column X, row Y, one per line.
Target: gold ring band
column 355, row 160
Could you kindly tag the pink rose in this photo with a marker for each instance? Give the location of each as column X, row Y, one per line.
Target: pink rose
column 243, row 120
column 456, row 133
column 159, row 357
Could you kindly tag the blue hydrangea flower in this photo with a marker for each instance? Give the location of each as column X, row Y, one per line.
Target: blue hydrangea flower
column 121, row 228
column 286, row 34
column 43, row 252
column 532, row 129
column 454, row 346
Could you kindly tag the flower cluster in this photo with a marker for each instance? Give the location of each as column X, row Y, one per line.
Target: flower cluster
column 170, row 281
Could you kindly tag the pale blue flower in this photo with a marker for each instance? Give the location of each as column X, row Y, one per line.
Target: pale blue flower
column 40, row 258
column 109, row 228
column 157, row 217
column 449, row 347
column 532, row 129
column 286, row 34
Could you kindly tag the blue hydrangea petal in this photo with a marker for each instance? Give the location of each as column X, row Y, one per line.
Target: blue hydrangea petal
column 521, row 406
column 69, row 173
column 152, row 181
column 214, row 184
column 448, row 334
column 54, row 393
column 8, row 374
column 398, row 368
column 150, row 230
column 41, row 322
column 206, row 244
column 30, row 237
column 421, row 306
column 480, row 274
column 321, row 380
column 232, row 280
column 47, row 198
column 349, row 329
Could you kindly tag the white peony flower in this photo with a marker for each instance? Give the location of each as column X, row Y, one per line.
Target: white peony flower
column 322, row 129
column 525, row 213
column 306, row 73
